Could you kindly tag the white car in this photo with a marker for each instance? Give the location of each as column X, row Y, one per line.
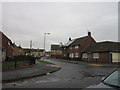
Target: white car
column 112, row 81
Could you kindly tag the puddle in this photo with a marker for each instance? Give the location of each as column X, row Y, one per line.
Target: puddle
column 87, row 74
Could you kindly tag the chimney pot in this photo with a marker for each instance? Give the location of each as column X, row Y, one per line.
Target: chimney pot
column 89, row 33
column 70, row 39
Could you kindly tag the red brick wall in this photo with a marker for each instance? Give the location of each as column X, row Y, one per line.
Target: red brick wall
column 9, row 49
column 0, row 38
column 103, row 58
column 86, row 43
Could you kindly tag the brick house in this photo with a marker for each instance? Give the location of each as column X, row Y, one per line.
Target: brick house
column 34, row 51
column 74, row 47
column 6, row 45
column 56, row 51
column 102, row 52
column 18, row 50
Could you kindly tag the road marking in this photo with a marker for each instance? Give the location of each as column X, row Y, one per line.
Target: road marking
column 96, row 65
column 53, row 65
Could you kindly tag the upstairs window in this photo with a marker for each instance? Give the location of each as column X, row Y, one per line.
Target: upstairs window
column 77, row 46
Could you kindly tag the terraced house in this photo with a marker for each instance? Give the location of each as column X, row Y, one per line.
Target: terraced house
column 102, row 52
column 74, row 47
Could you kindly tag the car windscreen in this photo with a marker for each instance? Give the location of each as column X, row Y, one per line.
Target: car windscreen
column 113, row 79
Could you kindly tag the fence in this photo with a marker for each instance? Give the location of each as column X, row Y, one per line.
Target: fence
column 17, row 62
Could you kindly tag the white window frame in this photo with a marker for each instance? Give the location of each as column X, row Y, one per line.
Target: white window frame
column 77, row 46
column 71, row 55
column 96, row 55
column 76, row 55
column 84, row 55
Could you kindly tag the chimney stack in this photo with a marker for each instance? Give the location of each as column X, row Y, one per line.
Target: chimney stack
column 70, row 39
column 89, row 33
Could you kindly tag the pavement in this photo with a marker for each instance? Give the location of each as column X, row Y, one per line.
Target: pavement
column 38, row 69
column 92, row 64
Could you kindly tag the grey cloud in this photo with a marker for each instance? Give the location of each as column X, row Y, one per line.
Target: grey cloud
column 29, row 21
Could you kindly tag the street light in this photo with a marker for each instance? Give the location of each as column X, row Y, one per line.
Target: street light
column 31, row 46
column 45, row 38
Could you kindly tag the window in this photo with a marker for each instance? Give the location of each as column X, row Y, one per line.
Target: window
column 76, row 54
column 77, row 46
column 84, row 55
column 95, row 55
column 113, row 79
column 64, row 55
column 71, row 55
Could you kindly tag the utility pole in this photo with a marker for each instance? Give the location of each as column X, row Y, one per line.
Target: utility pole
column 30, row 46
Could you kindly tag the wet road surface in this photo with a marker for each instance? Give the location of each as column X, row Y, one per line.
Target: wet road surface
column 69, row 76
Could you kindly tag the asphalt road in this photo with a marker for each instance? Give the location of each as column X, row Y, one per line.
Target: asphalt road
column 69, row 76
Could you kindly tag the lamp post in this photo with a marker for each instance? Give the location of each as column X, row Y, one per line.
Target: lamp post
column 31, row 46
column 45, row 38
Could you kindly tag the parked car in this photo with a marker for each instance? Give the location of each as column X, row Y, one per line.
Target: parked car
column 47, row 56
column 37, row 57
column 112, row 81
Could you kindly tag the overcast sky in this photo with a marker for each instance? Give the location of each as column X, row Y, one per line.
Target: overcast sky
column 25, row 21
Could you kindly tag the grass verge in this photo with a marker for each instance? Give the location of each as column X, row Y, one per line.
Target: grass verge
column 12, row 64
column 44, row 62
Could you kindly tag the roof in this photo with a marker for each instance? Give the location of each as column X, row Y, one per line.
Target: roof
column 106, row 46
column 78, row 41
column 69, row 42
column 3, row 35
column 74, row 42
column 56, row 47
column 33, row 50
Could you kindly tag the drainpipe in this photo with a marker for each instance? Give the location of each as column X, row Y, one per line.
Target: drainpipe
column 110, row 57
